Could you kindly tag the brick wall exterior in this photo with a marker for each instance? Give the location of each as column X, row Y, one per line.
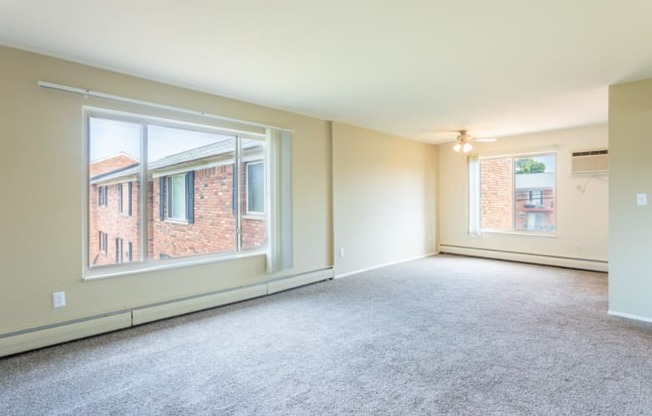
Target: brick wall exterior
column 109, row 220
column 212, row 231
column 214, row 228
column 496, row 194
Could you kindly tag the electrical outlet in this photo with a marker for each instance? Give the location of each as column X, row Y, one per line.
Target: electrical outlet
column 342, row 252
column 58, row 300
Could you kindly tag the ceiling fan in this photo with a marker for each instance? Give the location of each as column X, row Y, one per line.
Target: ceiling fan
column 463, row 142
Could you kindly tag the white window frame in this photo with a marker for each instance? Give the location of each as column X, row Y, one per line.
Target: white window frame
column 247, row 165
column 125, row 207
column 475, row 201
column 119, row 250
column 276, row 173
column 102, row 196
column 103, row 242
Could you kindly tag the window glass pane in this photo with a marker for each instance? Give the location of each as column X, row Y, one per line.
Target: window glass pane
column 534, row 193
column 190, row 177
column 252, row 195
column 496, row 187
column 177, row 197
column 114, row 159
column 255, row 195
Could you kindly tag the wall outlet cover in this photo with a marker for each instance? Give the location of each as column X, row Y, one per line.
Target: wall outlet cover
column 58, row 299
column 641, row 199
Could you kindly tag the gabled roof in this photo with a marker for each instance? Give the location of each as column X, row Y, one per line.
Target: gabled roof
column 203, row 153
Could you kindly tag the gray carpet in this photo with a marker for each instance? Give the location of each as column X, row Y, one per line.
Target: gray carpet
column 439, row 336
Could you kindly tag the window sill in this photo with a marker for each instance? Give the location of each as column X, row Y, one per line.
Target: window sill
column 125, row 269
column 176, row 221
column 254, row 216
column 521, row 233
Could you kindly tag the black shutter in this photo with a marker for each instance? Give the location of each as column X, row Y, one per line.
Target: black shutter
column 190, row 196
column 161, row 186
column 129, row 198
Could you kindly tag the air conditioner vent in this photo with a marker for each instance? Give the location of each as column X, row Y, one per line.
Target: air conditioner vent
column 590, row 162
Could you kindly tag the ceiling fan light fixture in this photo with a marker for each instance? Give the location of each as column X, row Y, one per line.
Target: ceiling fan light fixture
column 467, row 147
column 458, row 146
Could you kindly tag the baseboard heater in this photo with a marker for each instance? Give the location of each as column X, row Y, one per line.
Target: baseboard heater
column 547, row 260
column 33, row 338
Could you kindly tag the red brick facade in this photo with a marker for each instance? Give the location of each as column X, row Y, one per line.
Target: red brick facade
column 496, row 194
column 212, row 229
column 116, row 225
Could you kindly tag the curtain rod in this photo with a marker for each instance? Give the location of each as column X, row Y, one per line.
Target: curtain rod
column 97, row 94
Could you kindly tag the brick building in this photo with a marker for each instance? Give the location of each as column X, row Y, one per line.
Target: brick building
column 515, row 201
column 191, row 204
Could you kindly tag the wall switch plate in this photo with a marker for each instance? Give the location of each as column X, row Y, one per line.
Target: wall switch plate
column 342, row 252
column 58, row 299
column 641, row 199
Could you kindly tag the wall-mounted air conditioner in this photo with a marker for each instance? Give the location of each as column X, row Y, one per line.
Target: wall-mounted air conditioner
column 590, row 162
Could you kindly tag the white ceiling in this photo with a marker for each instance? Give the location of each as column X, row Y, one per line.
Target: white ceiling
column 410, row 68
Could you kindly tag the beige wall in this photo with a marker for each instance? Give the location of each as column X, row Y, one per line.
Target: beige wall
column 630, row 236
column 582, row 214
column 384, row 193
column 41, row 184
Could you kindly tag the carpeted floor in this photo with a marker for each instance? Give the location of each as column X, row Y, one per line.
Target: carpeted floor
column 439, row 336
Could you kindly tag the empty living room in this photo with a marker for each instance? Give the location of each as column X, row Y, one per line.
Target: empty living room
column 325, row 208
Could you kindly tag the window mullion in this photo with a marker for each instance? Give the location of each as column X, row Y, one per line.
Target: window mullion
column 142, row 195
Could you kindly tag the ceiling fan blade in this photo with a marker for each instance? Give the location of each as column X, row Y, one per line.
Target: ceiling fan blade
column 488, row 140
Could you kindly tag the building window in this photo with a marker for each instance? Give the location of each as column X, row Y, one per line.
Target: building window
column 255, row 187
column 102, row 195
column 103, row 239
column 119, row 254
column 199, row 183
column 177, row 197
column 124, row 190
column 515, row 193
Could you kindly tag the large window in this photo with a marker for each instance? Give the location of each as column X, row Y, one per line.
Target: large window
column 515, row 193
column 191, row 197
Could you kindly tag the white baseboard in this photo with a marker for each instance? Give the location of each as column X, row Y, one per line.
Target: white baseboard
column 279, row 285
column 548, row 260
column 32, row 338
column 385, row 265
column 64, row 332
column 196, row 303
column 630, row 316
